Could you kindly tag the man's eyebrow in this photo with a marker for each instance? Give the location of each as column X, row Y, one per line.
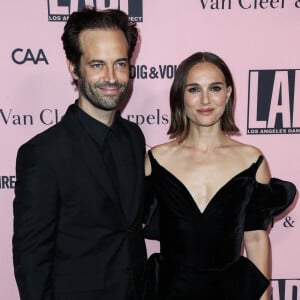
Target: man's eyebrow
column 121, row 59
column 96, row 61
column 102, row 61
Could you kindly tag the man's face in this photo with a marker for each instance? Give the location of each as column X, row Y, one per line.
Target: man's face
column 104, row 68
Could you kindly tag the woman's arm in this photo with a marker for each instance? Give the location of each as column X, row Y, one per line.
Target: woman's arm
column 257, row 245
column 257, row 242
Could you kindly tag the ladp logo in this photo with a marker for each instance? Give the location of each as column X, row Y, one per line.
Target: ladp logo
column 60, row 10
column 285, row 289
column 274, row 102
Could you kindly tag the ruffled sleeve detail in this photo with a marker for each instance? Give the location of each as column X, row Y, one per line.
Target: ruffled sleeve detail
column 268, row 201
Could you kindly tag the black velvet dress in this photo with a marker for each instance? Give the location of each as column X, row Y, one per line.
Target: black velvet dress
column 201, row 251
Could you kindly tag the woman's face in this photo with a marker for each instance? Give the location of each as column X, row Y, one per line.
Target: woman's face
column 205, row 95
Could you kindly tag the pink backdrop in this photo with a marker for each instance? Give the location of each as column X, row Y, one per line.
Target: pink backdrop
column 259, row 39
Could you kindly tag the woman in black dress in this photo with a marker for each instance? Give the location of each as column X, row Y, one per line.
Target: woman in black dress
column 214, row 194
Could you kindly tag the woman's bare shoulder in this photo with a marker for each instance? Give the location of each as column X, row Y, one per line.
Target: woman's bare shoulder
column 163, row 150
column 160, row 152
column 249, row 154
column 246, row 152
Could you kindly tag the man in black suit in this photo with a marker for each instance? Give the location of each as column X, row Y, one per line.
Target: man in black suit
column 78, row 207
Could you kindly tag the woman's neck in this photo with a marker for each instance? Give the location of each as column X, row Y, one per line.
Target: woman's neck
column 205, row 139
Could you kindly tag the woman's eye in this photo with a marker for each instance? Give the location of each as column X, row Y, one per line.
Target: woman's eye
column 193, row 90
column 216, row 88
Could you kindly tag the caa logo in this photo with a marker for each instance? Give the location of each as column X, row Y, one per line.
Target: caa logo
column 60, row 10
column 285, row 289
column 21, row 56
column 274, row 102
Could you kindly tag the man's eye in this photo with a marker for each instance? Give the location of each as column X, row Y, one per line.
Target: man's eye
column 121, row 64
column 96, row 66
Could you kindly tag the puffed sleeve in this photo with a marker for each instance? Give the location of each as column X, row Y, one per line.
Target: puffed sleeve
column 268, row 201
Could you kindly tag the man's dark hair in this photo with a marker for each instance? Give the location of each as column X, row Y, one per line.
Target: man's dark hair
column 91, row 18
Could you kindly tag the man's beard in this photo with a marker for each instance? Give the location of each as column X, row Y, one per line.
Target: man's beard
column 104, row 102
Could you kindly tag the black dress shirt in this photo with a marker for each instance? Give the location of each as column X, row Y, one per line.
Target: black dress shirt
column 117, row 152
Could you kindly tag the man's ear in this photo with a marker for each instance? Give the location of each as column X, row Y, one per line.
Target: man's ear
column 72, row 70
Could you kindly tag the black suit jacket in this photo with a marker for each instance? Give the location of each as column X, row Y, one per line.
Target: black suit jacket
column 70, row 233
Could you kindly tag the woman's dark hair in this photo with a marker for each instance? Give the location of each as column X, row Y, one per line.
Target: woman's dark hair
column 91, row 18
column 179, row 125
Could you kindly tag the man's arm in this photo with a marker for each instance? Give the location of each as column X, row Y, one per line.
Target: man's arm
column 35, row 217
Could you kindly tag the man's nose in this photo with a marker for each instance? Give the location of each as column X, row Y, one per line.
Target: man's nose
column 110, row 74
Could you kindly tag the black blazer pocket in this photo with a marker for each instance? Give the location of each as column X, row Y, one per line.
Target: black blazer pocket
column 78, row 282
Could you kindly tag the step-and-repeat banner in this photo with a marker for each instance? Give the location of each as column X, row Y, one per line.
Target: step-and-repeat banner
column 259, row 40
